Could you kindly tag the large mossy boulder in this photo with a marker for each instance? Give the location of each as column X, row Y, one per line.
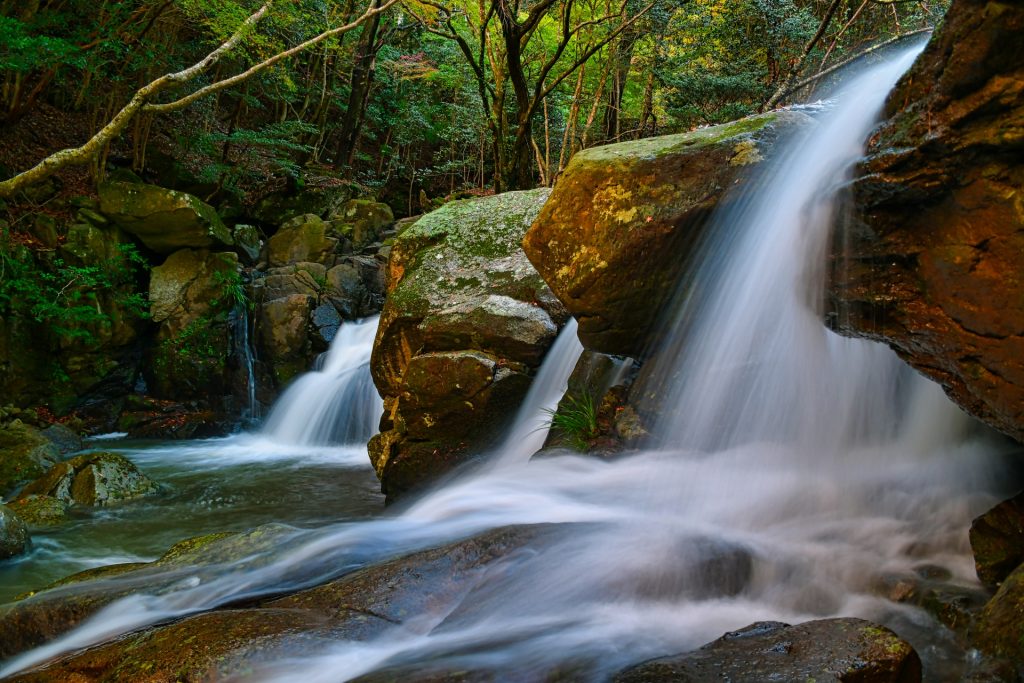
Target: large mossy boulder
column 844, row 649
column 191, row 295
column 931, row 262
column 362, row 220
column 25, row 454
column 92, row 479
column 466, row 323
column 623, row 220
column 164, row 220
column 301, row 239
column 14, row 539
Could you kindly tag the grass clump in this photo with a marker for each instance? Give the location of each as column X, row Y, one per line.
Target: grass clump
column 575, row 421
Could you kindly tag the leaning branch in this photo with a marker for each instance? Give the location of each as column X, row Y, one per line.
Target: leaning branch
column 846, row 62
column 141, row 100
column 265, row 64
column 787, row 83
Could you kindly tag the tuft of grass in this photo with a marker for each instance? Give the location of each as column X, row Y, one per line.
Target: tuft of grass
column 575, row 421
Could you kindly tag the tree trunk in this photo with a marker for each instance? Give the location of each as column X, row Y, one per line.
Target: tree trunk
column 359, row 92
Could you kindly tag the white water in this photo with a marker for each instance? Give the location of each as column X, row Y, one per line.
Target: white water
column 244, row 350
column 337, row 404
column 801, row 466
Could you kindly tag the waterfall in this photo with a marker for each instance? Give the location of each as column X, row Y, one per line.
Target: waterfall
column 244, row 350
column 336, row 403
column 533, row 420
column 794, row 470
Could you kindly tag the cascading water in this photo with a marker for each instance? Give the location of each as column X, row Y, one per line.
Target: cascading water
column 336, row 404
column 794, row 470
column 244, row 350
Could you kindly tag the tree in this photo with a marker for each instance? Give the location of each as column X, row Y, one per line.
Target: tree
column 142, row 100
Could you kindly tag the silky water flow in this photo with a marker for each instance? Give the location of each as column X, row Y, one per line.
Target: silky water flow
column 790, row 471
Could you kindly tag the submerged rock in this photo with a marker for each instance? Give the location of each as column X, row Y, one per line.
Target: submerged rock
column 165, row 220
column 931, row 261
column 358, row 606
column 24, row 455
column 623, row 220
column 843, row 649
column 14, row 538
column 466, row 323
column 94, row 479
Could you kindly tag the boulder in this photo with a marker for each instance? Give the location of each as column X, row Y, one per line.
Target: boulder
column 324, row 202
column 466, row 323
column 191, row 295
column 66, row 440
column 282, row 335
column 164, row 220
column 843, row 649
column 93, row 479
column 997, row 540
column 14, row 538
column 930, row 263
column 39, row 511
column 361, row 221
column 24, row 455
column 623, row 219
column 303, row 238
column 248, row 242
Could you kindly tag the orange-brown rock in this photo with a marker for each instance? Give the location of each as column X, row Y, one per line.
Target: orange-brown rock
column 932, row 261
column 623, row 219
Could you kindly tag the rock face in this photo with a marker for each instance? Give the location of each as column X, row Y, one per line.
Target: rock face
column 623, row 219
column 94, row 479
column 466, row 323
column 931, row 263
column 846, row 649
column 24, row 455
column 165, row 220
column 13, row 534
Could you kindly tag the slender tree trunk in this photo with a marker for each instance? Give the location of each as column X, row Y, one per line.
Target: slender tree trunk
column 359, row 91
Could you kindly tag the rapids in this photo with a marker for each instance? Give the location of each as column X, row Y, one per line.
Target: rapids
column 801, row 467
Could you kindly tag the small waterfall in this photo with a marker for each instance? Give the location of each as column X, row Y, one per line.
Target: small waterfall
column 244, row 350
column 337, row 403
column 533, row 421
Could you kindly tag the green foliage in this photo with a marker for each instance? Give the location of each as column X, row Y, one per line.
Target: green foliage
column 73, row 301
column 199, row 351
column 21, row 50
column 232, row 289
column 574, row 422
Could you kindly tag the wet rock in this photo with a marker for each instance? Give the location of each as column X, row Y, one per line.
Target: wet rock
column 145, row 417
column 327, row 322
column 94, row 479
column 165, row 220
column 303, row 238
column 66, row 440
column 623, row 219
column 997, row 540
column 38, row 510
column 1000, row 628
column 930, row 262
column 248, row 242
column 842, row 649
column 358, row 606
column 24, row 455
column 14, row 539
column 466, row 323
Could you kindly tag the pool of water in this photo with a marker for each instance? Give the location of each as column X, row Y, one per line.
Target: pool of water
column 211, row 485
